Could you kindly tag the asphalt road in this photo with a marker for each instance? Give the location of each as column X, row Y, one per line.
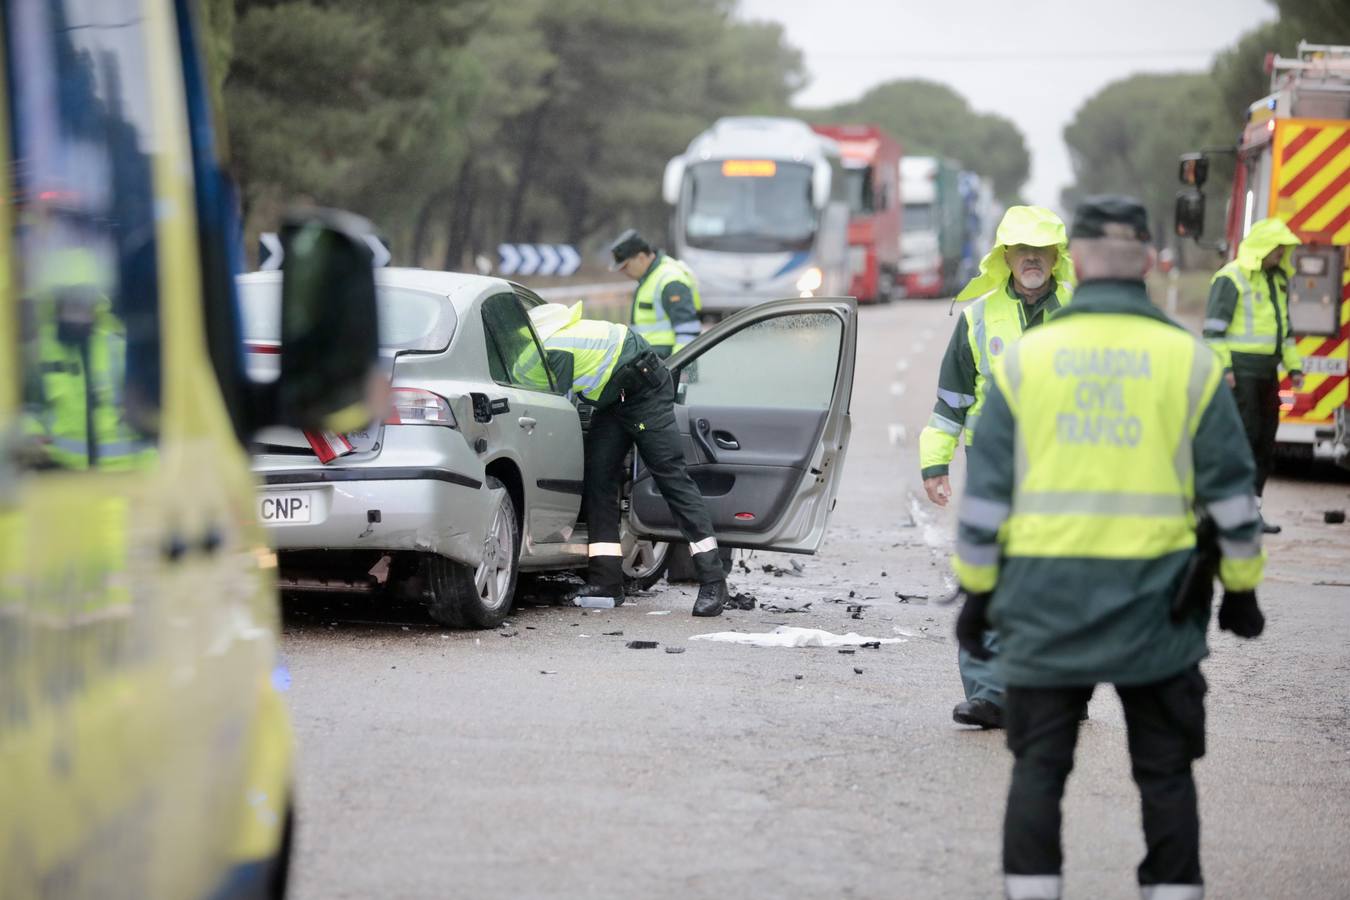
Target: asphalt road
column 548, row 760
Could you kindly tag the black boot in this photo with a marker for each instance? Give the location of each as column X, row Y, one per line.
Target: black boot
column 712, row 596
column 712, row 592
column 604, row 578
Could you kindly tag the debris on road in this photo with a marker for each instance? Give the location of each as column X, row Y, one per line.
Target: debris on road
column 675, row 649
column 849, row 650
column 594, row 602
column 857, row 671
column 905, row 598
column 659, row 612
column 512, row 633
column 856, row 611
column 798, row 677
column 643, row 645
column 778, row 571
column 742, row 601
column 774, row 608
column 792, row 636
column 548, row 672
column 613, row 634
column 1334, row 517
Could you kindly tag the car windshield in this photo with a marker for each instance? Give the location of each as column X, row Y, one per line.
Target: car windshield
column 917, row 217
column 762, row 207
column 409, row 319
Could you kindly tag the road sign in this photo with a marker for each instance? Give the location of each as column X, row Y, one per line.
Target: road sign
column 537, row 259
column 270, row 253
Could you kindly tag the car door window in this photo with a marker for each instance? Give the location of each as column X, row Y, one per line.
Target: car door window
column 514, row 354
column 787, row 362
column 84, row 233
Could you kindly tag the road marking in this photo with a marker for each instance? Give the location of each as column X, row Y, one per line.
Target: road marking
column 926, row 334
column 895, row 434
column 902, row 365
column 897, row 388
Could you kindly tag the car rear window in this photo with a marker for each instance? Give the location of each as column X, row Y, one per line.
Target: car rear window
column 409, row 319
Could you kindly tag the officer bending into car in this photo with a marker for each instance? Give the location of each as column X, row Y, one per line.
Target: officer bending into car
column 613, row 369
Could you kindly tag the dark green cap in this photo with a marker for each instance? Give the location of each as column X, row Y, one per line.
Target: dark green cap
column 627, row 245
column 1095, row 213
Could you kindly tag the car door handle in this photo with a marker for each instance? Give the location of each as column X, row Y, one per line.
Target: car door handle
column 726, row 441
column 527, row 422
column 701, row 429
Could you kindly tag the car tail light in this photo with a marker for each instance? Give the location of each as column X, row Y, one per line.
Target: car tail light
column 414, row 406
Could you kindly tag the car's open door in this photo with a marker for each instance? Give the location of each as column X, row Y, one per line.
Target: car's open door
column 762, row 400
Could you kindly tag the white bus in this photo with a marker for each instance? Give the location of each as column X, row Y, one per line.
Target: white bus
column 760, row 212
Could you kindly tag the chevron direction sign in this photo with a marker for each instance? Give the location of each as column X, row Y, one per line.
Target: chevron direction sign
column 270, row 253
column 537, row 259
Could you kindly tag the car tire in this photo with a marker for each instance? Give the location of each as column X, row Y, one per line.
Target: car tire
column 479, row 596
column 644, row 564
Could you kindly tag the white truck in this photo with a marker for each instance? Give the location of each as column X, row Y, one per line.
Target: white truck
column 760, row 212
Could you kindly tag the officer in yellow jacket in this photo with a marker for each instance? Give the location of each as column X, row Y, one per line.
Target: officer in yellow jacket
column 1247, row 324
column 666, row 303
column 1104, row 433
column 1025, row 278
column 613, row 369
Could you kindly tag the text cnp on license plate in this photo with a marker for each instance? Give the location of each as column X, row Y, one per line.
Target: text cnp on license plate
column 284, row 509
column 1323, row 365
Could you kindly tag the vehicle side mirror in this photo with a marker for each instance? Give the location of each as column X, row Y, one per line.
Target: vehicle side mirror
column 1190, row 214
column 329, row 323
column 820, row 184
column 672, row 181
column 1194, row 170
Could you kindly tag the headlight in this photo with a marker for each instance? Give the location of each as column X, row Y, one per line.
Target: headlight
column 811, row 280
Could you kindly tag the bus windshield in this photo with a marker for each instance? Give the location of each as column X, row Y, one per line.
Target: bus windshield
column 765, row 212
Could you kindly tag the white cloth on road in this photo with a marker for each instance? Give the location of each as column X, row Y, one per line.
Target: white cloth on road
column 791, row 636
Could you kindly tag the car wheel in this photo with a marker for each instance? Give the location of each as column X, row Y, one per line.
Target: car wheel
column 479, row 596
column 644, row 563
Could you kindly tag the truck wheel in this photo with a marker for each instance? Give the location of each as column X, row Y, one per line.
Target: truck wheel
column 479, row 597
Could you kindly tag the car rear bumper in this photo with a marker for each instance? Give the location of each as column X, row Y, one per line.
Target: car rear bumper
column 382, row 508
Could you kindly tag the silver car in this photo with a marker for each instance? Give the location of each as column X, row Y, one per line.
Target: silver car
column 475, row 476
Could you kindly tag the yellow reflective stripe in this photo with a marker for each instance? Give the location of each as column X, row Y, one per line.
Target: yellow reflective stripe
column 978, row 579
column 936, row 447
column 1242, row 574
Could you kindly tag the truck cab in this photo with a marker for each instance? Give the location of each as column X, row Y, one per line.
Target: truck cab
column 145, row 746
column 871, row 159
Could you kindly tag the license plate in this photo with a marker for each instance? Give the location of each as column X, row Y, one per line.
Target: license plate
column 284, row 509
column 1323, row 365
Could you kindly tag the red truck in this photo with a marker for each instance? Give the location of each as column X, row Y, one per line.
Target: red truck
column 871, row 159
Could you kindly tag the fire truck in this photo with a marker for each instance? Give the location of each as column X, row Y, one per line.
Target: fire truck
column 1293, row 162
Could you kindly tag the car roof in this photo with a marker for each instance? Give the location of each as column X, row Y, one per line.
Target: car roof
column 461, row 288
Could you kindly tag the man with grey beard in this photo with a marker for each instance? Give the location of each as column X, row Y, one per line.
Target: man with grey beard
column 1022, row 281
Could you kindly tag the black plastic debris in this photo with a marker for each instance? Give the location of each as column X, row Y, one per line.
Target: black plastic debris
column 745, row 567
column 1334, row 517
column 613, row 634
column 674, row 649
column 905, row 598
column 642, row 645
column 548, row 672
column 883, row 574
column 778, row 571
column 512, row 633
column 871, row 645
column 856, row 611
column 798, row 677
column 742, row 601
column 848, row 650
column 857, row 671
column 852, row 594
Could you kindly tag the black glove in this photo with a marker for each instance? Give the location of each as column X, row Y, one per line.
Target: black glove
column 972, row 623
column 1239, row 614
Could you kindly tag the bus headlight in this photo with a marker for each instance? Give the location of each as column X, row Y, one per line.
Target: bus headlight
column 810, row 281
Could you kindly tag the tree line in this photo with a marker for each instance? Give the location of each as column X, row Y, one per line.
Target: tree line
column 1128, row 137
column 456, row 125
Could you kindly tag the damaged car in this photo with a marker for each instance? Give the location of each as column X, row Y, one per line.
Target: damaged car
column 475, row 476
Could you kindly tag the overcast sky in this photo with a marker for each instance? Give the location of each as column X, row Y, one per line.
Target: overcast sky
column 1033, row 61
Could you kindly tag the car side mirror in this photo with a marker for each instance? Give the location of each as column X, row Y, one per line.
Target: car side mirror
column 1193, row 170
column 329, row 323
column 1190, row 214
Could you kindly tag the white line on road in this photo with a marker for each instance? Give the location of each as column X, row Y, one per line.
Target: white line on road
column 897, row 388
column 895, row 434
column 902, row 365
